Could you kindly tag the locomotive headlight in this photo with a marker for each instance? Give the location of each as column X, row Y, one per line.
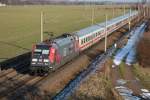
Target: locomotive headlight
column 51, row 67
column 46, row 60
column 34, row 60
column 33, row 63
column 46, row 63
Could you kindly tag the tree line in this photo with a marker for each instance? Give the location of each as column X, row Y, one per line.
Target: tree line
column 26, row 2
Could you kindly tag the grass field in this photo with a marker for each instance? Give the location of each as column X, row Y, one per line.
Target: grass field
column 20, row 25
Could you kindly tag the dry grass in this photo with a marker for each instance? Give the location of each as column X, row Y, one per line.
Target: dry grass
column 142, row 69
column 143, row 50
column 122, row 69
column 96, row 87
column 143, row 74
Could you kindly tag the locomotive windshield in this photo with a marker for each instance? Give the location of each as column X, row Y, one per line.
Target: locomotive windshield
column 43, row 47
column 41, row 50
column 40, row 55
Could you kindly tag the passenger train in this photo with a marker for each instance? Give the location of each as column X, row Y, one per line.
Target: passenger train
column 51, row 54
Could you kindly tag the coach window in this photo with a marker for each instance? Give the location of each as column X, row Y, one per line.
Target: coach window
column 89, row 38
column 99, row 33
column 82, row 41
column 86, row 39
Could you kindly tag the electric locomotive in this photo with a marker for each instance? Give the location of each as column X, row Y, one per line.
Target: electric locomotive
column 49, row 55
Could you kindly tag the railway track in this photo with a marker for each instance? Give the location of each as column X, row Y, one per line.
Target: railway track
column 17, row 64
column 14, row 87
column 14, row 74
column 24, row 87
column 15, row 78
column 18, row 68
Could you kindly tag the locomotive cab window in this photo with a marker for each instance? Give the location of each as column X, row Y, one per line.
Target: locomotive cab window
column 45, row 52
column 41, row 50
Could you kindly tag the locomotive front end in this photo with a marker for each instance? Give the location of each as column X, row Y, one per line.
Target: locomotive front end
column 41, row 56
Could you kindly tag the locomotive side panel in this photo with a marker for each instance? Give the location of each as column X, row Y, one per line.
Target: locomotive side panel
column 65, row 51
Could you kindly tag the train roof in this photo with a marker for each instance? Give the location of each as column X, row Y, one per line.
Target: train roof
column 100, row 26
column 61, row 41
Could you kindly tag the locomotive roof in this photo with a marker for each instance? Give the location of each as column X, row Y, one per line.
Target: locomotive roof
column 100, row 26
column 63, row 41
